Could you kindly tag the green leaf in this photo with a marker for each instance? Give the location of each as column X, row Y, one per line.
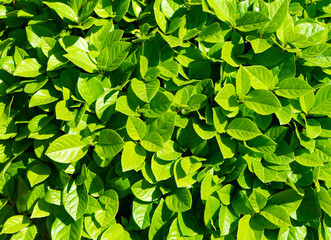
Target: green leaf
column 67, row 230
column 224, row 194
column 109, row 144
column 263, row 173
column 105, row 105
column 15, row 224
column 152, row 142
column 109, row 203
column 211, row 33
column 29, row 67
column 313, row 128
column 38, row 173
column 82, row 60
column 145, row 90
column 161, row 169
column 72, row 43
column 287, row 233
column 170, row 151
column 180, row 200
column 93, row 205
column 307, row 101
column 243, row 82
column 226, row 145
column 308, row 33
column 125, row 107
column 53, row 197
column 251, row 21
column 288, row 199
column 286, row 31
column 228, row 220
column 211, row 209
column 145, row 191
column 112, row 56
column 142, row 213
column 159, row 105
column 133, row 156
column 63, row 10
column 74, row 199
column 185, row 179
column 245, row 230
column 56, row 61
column 161, row 216
column 219, row 119
column 309, row 208
column 259, row 45
column 257, row 200
column 322, row 101
column 262, row 102
column 62, row 111
column 135, row 128
column 67, row 148
column 277, row 13
column 195, row 119
column 89, row 88
column 229, row 52
column 39, row 122
column 292, row 88
column 324, row 199
column 307, row 158
column 163, row 125
column 204, row 130
column 263, row 144
column 41, row 209
column 225, row 10
column 260, row 77
column 169, row 69
column 115, row 232
column 26, row 234
column 243, row 129
column 35, row 33
column 285, row 114
column 276, row 215
column 160, row 20
column 42, row 97
column 226, row 98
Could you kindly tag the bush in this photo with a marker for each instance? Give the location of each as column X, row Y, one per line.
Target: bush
column 165, row 119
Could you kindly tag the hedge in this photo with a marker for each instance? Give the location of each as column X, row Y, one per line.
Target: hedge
column 165, row 119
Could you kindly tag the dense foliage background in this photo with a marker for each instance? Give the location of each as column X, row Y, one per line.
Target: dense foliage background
column 165, row 119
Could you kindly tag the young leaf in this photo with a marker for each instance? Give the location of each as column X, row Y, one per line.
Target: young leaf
column 145, row 191
column 293, row 88
column 63, row 10
column 74, row 199
column 29, row 67
column 136, row 128
column 145, row 90
column 66, row 149
column 180, row 200
column 38, row 173
column 243, row 129
column 109, row 144
column 276, row 215
column 262, row 102
column 112, row 56
column 65, row 230
column 15, row 224
column 82, row 60
column 133, row 156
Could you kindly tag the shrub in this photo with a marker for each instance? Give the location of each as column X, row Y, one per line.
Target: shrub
column 165, row 119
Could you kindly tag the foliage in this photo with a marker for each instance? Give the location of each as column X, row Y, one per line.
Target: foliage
column 165, row 119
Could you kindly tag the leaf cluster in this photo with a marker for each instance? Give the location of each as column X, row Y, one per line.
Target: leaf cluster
column 165, row 119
